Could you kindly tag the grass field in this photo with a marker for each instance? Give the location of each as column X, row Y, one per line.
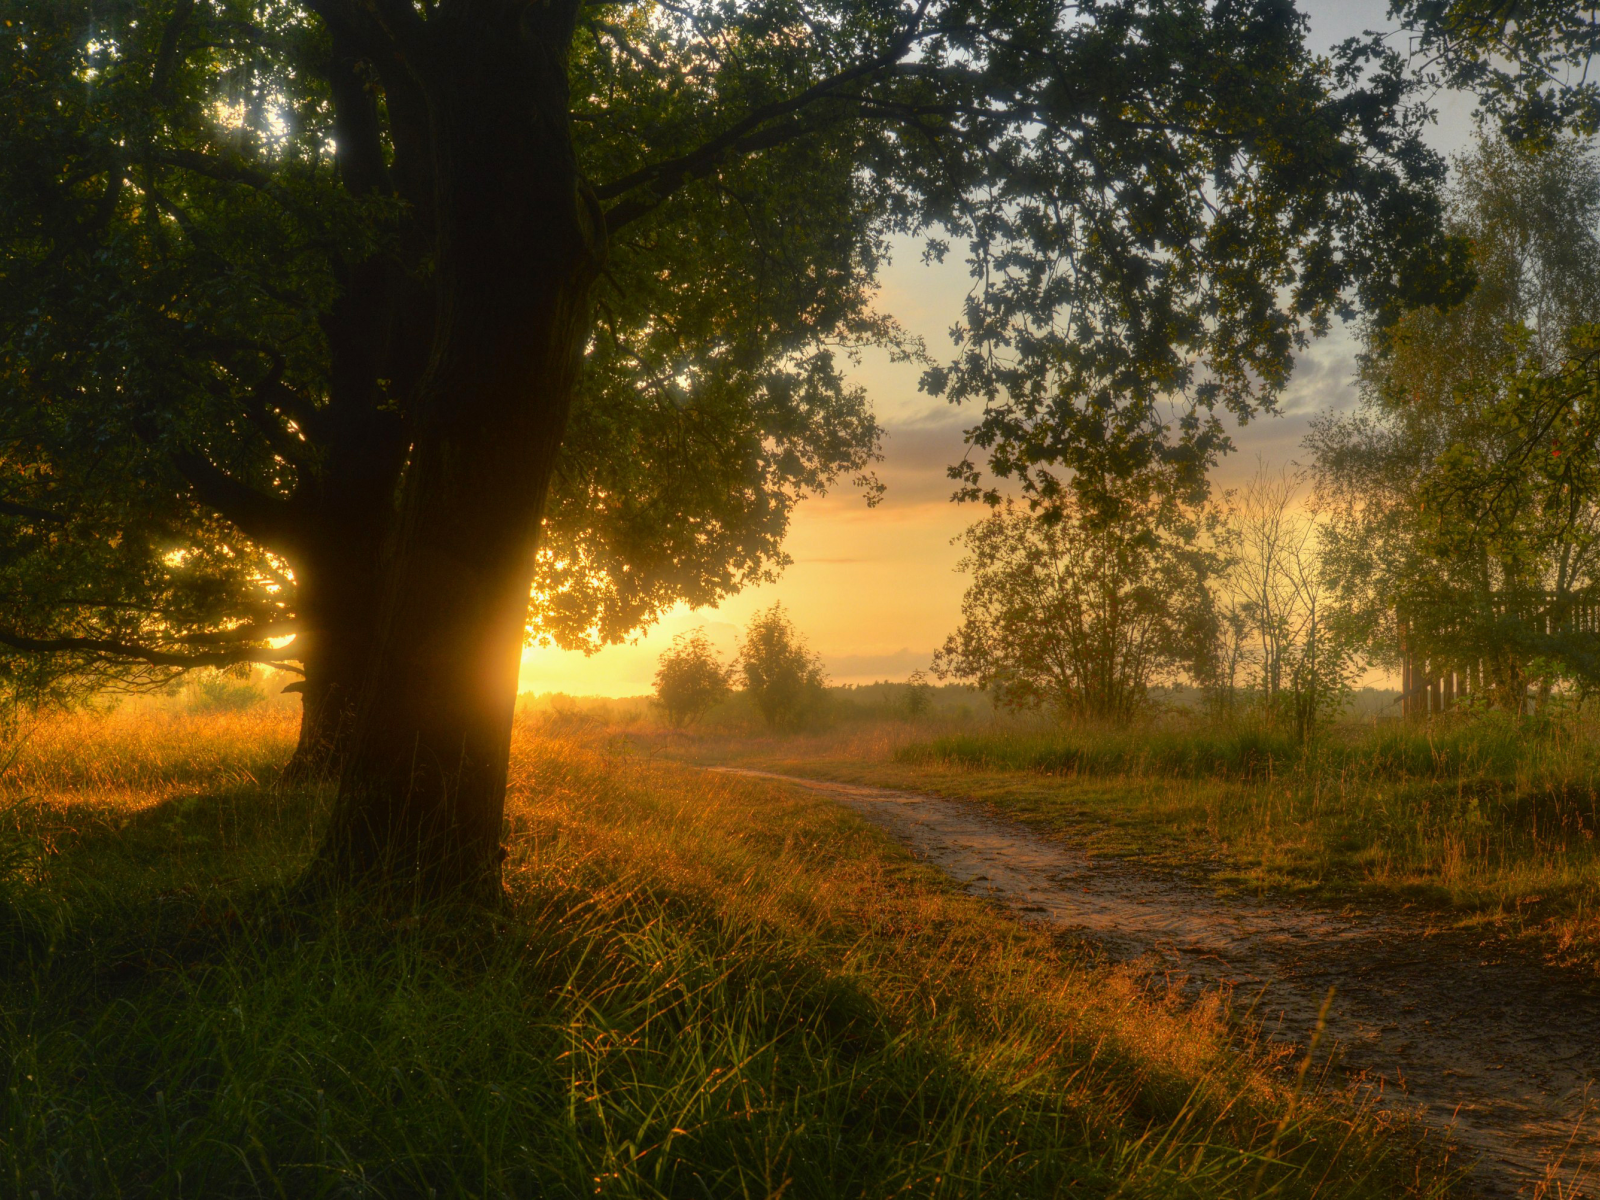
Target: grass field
column 698, row 987
column 1486, row 820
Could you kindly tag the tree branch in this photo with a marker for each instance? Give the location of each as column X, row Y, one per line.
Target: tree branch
column 355, row 119
column 112, row 648
column 620, row 37
column 167, row 52
column 266, row 519
column 621, row 214
column 244, row 633
column 27, row 512
column 259, row 410
column 223, row 170
column 740, row 138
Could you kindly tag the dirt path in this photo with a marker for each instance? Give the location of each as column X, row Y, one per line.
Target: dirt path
column 1470, row 1032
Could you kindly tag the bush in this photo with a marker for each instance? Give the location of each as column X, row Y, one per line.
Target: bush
column 919, row 695
column 218, row 693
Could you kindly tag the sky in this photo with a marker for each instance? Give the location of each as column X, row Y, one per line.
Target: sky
column 875, row 591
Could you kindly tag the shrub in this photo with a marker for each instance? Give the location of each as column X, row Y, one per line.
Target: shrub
column 919, row 695
column 219, row 693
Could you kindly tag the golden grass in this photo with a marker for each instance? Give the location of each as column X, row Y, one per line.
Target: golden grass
column 700, row 986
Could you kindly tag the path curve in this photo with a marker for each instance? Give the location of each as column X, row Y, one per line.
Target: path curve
column 1471, row 1033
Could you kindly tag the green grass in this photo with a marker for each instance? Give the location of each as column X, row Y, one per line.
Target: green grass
column 1489, row 749
column 1483, row 820
column 699, row 986
column 1235, row 753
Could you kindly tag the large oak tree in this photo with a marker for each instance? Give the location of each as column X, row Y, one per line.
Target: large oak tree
column 351, row 319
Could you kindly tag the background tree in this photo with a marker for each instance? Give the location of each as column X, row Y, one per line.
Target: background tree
column 1283, row 627
column 309, row 309
column 1465, row 491
column 1076, row 609
column 690, row 678
column 918, row 701
column 783, row 677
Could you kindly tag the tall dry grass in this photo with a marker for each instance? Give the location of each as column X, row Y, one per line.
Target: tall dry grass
column 698, row 986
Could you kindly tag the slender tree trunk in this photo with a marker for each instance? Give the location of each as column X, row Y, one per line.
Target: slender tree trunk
column 422, row 790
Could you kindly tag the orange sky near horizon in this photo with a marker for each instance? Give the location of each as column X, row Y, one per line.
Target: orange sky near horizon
column 875, row 591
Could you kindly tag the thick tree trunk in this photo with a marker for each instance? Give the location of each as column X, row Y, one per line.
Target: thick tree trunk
column 423, row 786
column 422, row 790
column 337, row 577
column 333, row 664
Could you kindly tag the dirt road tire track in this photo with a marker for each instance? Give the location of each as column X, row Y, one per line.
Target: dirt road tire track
column 1468, row 1031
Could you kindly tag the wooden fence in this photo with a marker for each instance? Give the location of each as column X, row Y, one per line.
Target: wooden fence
column 1435, row 684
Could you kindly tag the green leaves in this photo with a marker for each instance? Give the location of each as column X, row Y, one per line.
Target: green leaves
column 1465, row 491
column 1076, row 611
column 690, row 678
column 1528, row 62
column 1190, row 197
column 782, row 675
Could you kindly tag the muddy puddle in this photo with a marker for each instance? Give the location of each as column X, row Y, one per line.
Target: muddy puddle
column 1466, row 1031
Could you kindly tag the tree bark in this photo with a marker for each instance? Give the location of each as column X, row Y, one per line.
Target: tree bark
column 334, row 657
column 518, row 243
column 347, row 511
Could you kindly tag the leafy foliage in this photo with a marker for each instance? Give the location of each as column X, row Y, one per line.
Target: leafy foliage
column 1465, row 493
column 1529, row 62
column 1121, row 306
column 690, row 678
column 1079, row 613
column 174, row 263
column 782, row 675
column 919, row 695
column 222, row 261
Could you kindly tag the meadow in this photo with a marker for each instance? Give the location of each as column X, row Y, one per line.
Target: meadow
column 1478, row 818
column 696, row 986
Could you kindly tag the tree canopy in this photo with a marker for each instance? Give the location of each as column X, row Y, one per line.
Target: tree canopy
column 1527, row 62
column 782, row 675
column 179, row 236
column 1464, row 494
column 690, row 678
column 351, row 321
column 181, row 231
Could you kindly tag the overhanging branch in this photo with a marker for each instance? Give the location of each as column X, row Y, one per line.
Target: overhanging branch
column 626, row 211
column 266, row 519
column 111, row 648
column 743, row 137
column 222, row 170
column 27, row 512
